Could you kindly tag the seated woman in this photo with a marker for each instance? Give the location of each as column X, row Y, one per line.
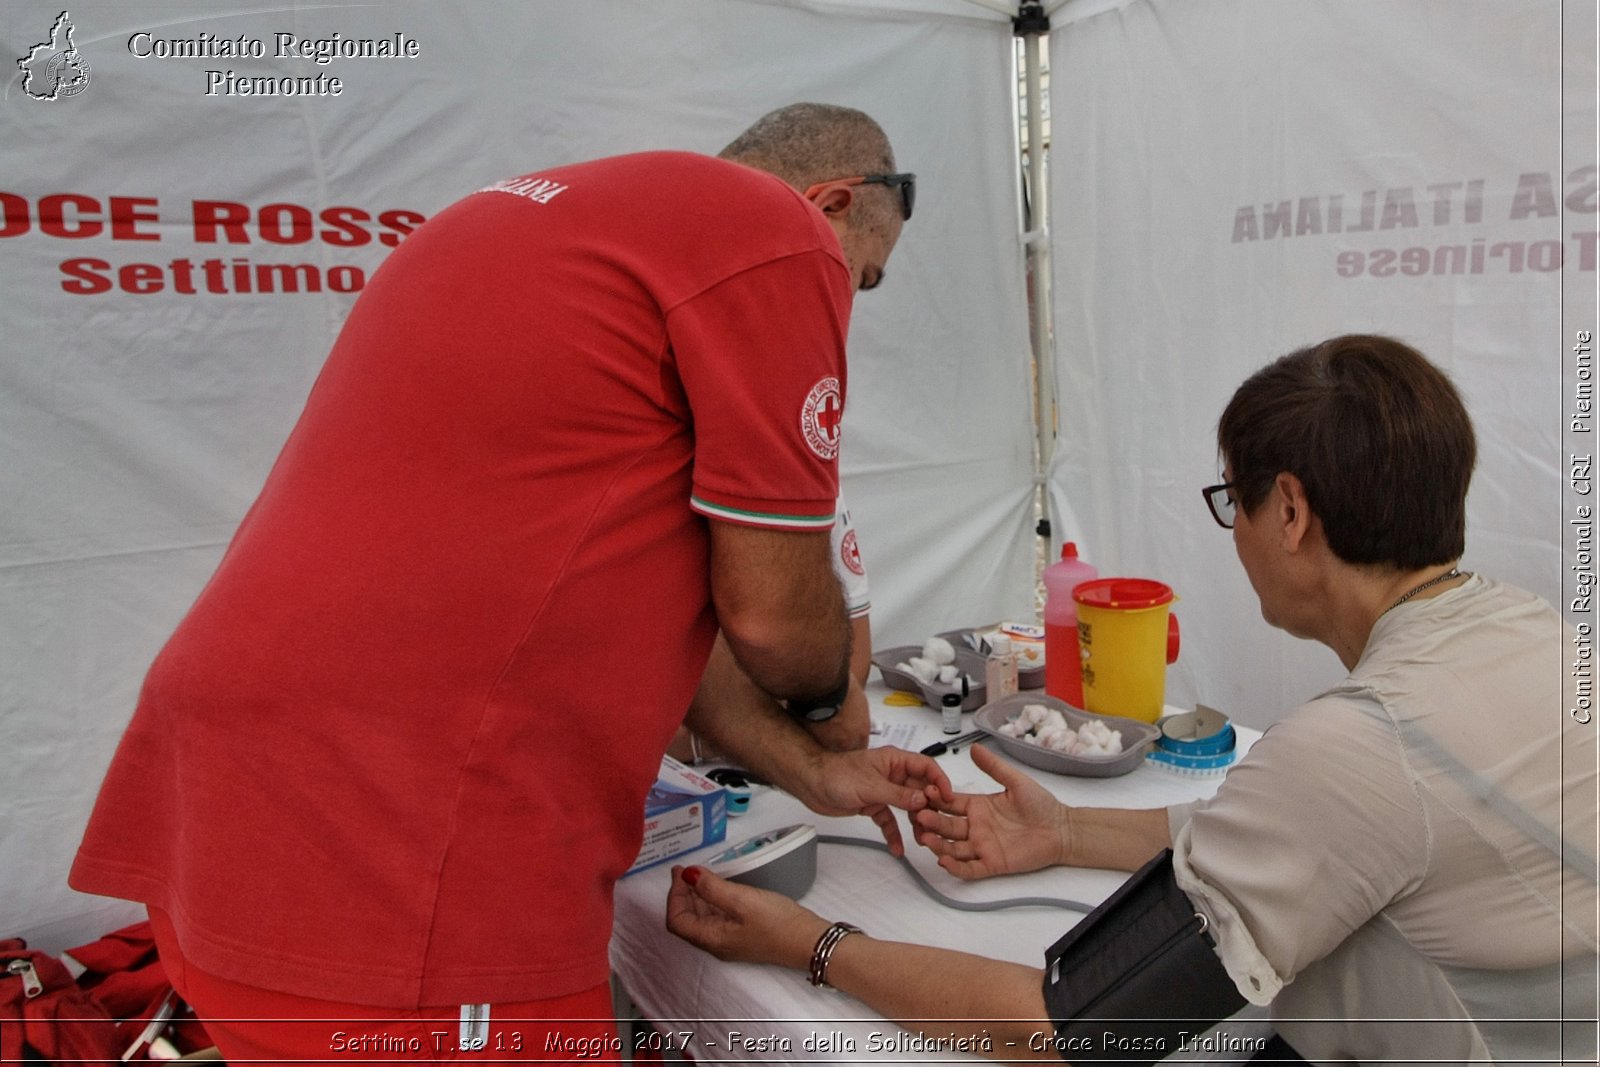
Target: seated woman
column 1413, row 844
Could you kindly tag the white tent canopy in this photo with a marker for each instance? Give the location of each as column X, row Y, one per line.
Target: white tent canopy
column 1235, row 180
column 138, row 419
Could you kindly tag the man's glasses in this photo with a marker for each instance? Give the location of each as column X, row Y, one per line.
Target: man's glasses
column 1219, row 498
column 905, row 183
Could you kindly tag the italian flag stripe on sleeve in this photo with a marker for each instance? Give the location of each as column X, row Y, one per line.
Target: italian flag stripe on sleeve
column 760, row 518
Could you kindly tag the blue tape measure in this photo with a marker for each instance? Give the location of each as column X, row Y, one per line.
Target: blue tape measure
column 1200, row 742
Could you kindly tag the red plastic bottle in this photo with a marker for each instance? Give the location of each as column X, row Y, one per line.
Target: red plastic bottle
column 1063, row 667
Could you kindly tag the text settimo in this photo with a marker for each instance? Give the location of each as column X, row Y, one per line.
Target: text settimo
column 74, row 216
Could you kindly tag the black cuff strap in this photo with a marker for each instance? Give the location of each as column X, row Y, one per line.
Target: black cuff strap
column 1135, row 973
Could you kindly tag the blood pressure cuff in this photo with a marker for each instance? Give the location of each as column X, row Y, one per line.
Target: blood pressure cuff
column 1135, row 973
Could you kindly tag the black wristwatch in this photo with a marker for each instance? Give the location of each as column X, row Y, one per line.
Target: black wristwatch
column 820, row 710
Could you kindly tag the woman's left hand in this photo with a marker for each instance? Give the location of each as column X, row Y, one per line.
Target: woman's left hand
column 740, row 922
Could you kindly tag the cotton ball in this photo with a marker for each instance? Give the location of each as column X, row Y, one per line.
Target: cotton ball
column 939, row 650
column 1054, row 718
column 949, row 674
column 1033, row 714
column 1063, row 741
column 1012, row 728
column 925, row 669
column 1096, row 740
column 1098, row 733
column 1090, row 745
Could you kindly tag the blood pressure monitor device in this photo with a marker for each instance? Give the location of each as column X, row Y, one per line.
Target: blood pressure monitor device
column 784, row 861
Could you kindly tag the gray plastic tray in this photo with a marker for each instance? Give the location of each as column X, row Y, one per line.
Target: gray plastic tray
column 1027, row 678
column 1137, row 738
column 932, row 693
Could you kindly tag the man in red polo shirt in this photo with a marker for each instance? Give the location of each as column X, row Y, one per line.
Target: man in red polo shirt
column 394, row 758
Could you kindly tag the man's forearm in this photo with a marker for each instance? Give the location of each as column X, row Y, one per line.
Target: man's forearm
column 793, row 661
column 747, row 726
column 781, row 610
column 861, row 648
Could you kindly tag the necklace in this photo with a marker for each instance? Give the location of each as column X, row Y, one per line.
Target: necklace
column 1451, row 573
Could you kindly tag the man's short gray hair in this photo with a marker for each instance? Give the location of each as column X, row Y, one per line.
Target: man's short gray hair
column 809, row 143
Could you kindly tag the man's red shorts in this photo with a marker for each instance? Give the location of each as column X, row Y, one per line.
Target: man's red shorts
column 252, row 1025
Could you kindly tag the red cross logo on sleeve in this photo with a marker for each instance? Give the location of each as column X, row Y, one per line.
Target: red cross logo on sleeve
column 820, row 417
column 850, row 554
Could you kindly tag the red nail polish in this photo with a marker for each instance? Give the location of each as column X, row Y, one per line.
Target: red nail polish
column 691, row 875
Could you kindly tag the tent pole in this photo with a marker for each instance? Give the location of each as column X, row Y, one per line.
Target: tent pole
column 1032, row 25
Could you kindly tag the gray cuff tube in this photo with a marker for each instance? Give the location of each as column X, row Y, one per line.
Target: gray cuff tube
column 1137, row 972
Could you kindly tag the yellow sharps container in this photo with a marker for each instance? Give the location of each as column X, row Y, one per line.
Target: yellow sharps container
column 1127, row 635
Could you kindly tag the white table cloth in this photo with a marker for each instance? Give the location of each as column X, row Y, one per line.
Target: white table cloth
column 738, row 1012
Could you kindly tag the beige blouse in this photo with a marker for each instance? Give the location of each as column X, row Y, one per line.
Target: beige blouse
column 1405, row 866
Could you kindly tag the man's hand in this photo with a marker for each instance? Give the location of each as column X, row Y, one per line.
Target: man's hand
column 1022, row 828
column 851, row 728
column 740, row 922
column 871, row 782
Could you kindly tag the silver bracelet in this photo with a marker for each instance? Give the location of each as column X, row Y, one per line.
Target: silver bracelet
column 823, row 952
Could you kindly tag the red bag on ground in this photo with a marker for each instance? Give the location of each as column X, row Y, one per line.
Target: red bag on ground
column 123, row 974
column 43, row 1012
column 46, row 1014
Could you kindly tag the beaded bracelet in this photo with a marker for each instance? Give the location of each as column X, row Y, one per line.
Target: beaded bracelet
column 824, row 950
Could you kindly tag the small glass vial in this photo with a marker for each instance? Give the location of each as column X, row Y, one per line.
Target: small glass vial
column 1000, row 669
column 950, row 712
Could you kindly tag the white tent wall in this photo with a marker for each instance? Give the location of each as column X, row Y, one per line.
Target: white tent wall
column 136, row 426
column 1233, row 179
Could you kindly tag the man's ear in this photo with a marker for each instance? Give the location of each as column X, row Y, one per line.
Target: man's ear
column 1293, row 511
column 834, row 199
